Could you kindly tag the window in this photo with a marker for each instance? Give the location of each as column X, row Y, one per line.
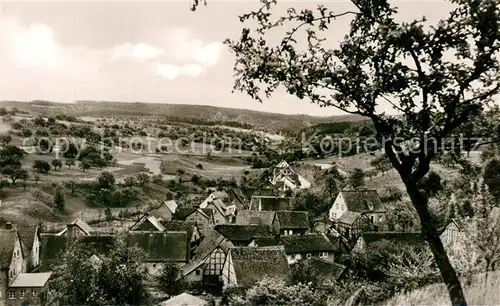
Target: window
column 154, row 265
column 12, row 295
column 197, row 272
column 21, row 294
column 33, row 293
column 323, row 255
column 308, row 255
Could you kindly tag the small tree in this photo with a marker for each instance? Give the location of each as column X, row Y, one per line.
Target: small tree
column 85, row 164
column 15, row 173
column 143, row 179
column 5, row 139
column 106, row 180
column 56, row 163
column 41, row 166
column 167, row 280
column 357, row 178
column 59, row 199
column 69, row 162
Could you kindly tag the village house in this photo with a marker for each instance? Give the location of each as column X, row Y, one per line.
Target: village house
column 161, row 247
column 287, row 178
column 167, row 209
column 202, row 217
column 351, row 224
column 242, row 235
column 245, row 266
column 221, row 214
column 30, row 240
column 208, row 259
column 362, row 201
column 301, row 247
column 27, row 288
column 271, row 203
column 291, row 222
column 149, row 223
column 11, row 260
column 215, row 195
column 367, row 239
column 79, row 228
column 253, row 217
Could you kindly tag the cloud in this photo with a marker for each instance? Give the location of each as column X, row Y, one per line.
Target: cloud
column 138, row 52
column 172, row 72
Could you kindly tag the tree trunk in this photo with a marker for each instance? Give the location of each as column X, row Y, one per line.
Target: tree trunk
column 431, row 235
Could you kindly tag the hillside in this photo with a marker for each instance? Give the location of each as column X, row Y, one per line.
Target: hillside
column 178, row 112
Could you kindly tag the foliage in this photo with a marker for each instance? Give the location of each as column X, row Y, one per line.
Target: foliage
column 143, row 179
column 69, row 162
column 276, row 292
column 167, row 280
column 41, row 166
column 106, row 180
column 59, row 199
column 15, row 173
column 56, row 163
column 492, row 177
column 357, row 178
column 116, row 279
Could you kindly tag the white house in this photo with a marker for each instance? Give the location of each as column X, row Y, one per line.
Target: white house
column 359, row 200
column 287, row 178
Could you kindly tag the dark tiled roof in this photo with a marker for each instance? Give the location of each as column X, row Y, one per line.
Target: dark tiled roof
column 349, row 217
column 293, row 219
column 7, row 243
column 251, row 264
column 252, row 217
column 237, row 195
column 362, row 200
column 306, row 243
column 324, row 270
column 27, row 236
column 266, row 241
column 242, row 232
column 183, row 213
column 161, row 246
column 178, row 226
column 402, row 237
column 52, row 250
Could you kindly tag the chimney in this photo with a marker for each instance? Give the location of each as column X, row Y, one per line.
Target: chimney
column 8, row 226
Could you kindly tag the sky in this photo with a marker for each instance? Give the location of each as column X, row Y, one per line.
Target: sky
column 143, row 51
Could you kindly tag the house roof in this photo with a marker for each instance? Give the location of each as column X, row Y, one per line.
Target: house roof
column 100, row 244
column 271, row 203
column 172, row 205
column 161, row 246
column 349, row 217
column 27, row 236
column 183, row 213
column 237, row 195
column 212, row 240
column 324, row 269
column 87, row 229
column 184, row 299
column 282, row 164
column 306, row 243
column 235, row 232
column 251, row 264
column 30, row 280
column 362, row 200
column 7, row 244
column 52, row 250
column 293, row 219
column 151, row 219
column 253, row 217
column 178, row 226
column 402, row 237
column 218, row 205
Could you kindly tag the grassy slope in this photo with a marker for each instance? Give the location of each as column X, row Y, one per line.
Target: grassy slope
column 479, row 292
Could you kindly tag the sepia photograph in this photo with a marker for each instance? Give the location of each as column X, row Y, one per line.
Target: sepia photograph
column 250, row 153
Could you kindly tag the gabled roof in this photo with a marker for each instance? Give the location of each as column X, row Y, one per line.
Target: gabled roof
column 292, row 219
column 282, row 164
column 87, row 229
column 254, row 217
column 161, row 246
column 362, row 200
column 237, row 195
column 148, row 218
column 218, row 205
column 172, row 205
column 30, row 280
column 242, row 233
column 27, row 236
column 212, row 240
column 183, row 213
column 306, row 243
column 251, row 264
column 52, row 250
column 184, row 299
column 178, row 226
column 324, row 270
column 7, row 244
column 414, row 238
